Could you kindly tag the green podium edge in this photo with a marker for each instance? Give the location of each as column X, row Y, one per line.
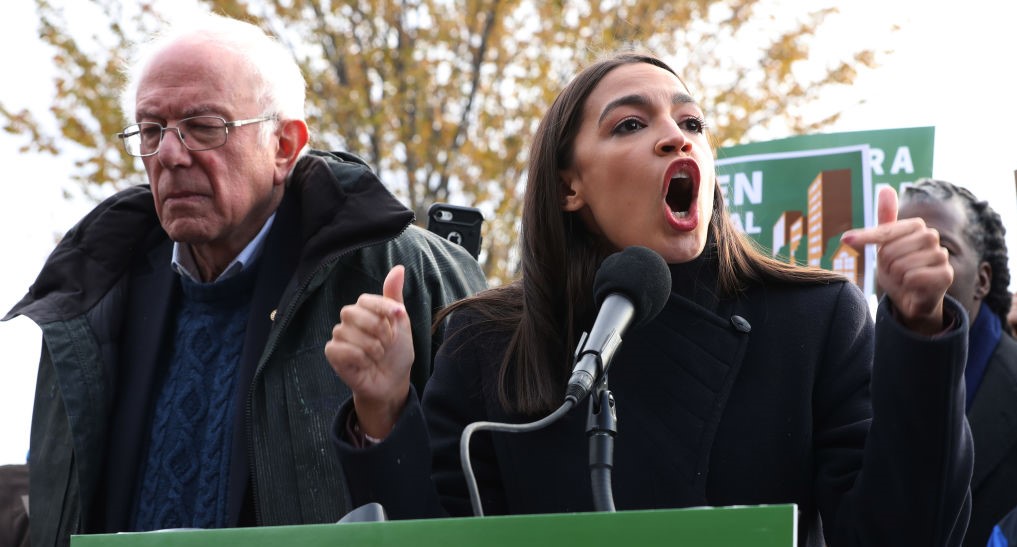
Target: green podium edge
column 758, row 526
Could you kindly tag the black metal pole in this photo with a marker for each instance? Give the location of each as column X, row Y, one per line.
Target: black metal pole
column 601, row 427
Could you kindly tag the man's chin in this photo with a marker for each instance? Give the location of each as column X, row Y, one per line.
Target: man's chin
column 187, row 230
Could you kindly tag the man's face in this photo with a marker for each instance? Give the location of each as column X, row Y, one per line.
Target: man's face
column 216, row 200
column 972, row 276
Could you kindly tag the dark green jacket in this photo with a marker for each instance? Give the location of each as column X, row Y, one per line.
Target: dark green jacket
column 105, row 299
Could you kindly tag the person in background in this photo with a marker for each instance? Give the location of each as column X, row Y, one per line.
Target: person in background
column 974, row 236
column 1011, row 317
column 1004, row 533
column 14, row 505
column 752, row 386
column 182, row 382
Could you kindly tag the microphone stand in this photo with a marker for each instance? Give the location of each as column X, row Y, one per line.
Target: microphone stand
column 601, row 427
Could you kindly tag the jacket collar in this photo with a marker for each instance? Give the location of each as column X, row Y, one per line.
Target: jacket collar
column 342, row 206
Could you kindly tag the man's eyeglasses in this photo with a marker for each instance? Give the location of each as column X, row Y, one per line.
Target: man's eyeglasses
column 196, row 133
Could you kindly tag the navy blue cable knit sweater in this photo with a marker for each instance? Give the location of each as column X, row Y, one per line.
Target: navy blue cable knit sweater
column 184, row 482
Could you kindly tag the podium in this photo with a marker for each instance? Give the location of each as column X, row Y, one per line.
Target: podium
column 758, row 526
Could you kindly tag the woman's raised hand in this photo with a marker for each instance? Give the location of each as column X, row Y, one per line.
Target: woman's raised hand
column 912, row 267
column 372, row 351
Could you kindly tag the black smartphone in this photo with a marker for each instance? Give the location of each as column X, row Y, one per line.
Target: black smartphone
column 460, row 225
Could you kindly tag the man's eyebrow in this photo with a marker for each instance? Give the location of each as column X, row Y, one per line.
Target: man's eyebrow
column 200, row 110
column 196, row 110
column 958, row 242
column 636, row 99
column 143, row 114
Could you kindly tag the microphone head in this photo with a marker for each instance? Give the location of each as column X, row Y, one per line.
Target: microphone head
column 641, row 275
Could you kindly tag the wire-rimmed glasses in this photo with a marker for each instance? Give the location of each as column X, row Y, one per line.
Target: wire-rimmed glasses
column 196, row 133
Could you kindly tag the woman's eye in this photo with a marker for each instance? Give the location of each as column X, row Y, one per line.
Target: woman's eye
column 629, row 125
column 695, row 125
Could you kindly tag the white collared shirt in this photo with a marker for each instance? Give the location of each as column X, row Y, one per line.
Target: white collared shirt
column 183, row 260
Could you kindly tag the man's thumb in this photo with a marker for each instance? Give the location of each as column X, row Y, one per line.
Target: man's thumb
column 887, row 206
column 393, row 287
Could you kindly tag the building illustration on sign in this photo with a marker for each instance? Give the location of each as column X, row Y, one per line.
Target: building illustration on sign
column 827, row 216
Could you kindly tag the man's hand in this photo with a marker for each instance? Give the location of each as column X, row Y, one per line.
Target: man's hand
column 372, row 351
column 912, row 267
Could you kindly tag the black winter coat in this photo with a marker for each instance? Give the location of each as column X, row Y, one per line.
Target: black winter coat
column 105, row 297
column 993, row 419
column 710, row 412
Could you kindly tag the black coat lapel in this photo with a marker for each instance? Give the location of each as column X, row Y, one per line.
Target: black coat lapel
column 142, row 358
column 993, row 416
column 276, row 265
column 683, row 365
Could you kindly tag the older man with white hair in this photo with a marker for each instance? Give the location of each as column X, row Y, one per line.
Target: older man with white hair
column 182, row 382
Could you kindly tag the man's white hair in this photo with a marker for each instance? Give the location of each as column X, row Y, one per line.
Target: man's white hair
column 282, row 90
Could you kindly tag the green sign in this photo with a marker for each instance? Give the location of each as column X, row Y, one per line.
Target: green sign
column 756, row 525
column 896, row 156
column 796, row 196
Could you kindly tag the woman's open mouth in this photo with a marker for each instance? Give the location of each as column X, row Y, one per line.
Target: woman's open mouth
column 681, row 193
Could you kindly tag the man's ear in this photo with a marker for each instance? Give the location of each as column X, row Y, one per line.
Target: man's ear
column 570, row 189
column 984, row 280
column 292, row 136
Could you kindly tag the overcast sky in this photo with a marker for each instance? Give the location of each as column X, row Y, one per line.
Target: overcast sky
column 951, row 68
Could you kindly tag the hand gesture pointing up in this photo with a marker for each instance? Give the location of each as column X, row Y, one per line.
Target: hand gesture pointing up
column 372, row 351
column 912, row 267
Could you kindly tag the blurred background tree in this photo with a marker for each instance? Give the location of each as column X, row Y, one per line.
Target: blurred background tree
column 441, row 97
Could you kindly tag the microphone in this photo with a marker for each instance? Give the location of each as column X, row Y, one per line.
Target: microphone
column 630, row 289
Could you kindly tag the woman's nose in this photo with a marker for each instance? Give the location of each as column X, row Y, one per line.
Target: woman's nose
column 672, row 140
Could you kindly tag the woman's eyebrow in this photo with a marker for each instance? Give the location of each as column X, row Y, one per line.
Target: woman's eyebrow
column 682, row 98
column 636, row 99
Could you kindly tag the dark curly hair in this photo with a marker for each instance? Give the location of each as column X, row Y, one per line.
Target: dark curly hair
column 984, row 230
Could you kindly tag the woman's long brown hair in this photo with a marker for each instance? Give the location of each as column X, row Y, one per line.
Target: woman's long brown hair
column 551, row 304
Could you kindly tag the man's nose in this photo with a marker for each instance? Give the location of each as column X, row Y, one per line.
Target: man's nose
column 172, row 151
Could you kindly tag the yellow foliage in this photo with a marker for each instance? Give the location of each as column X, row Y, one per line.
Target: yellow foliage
column 442, row 98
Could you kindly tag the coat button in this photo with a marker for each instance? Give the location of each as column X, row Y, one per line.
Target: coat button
column 740, row 324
